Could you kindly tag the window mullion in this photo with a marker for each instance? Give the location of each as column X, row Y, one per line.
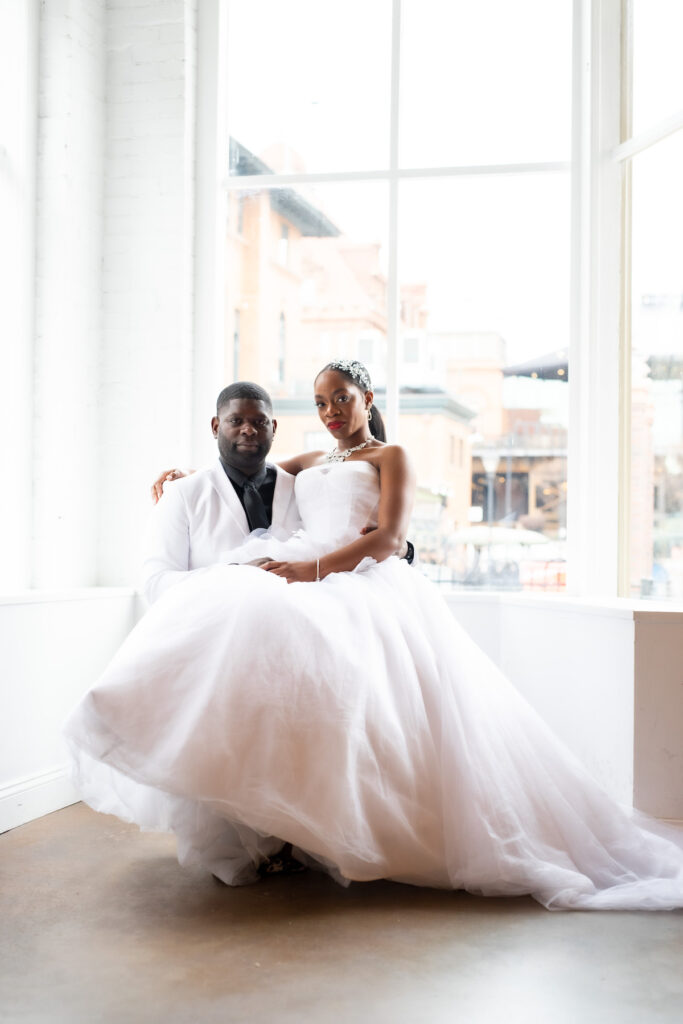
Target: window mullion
column 392, row 398
column 594, row 433
column 632, row 145
column 248, row 182
column 206, row 361
column 625, row 358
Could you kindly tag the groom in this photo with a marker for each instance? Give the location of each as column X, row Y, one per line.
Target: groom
column 211, row 511
column 202, row 515
column 215, row 509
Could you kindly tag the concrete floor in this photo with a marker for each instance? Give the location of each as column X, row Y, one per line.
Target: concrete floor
column 98, row 923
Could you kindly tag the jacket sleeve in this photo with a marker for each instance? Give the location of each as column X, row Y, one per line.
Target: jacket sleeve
column 167, row 544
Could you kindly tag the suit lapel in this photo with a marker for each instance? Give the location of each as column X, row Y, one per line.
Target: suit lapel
column 282, row 496
column 220, row 482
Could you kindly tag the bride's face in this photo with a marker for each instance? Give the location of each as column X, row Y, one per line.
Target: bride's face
column 341, row 405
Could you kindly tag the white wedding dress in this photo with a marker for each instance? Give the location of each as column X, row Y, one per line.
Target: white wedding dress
column 356, row 720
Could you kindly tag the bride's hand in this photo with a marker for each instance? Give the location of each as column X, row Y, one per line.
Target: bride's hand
column 293, row 572
column 157, row 488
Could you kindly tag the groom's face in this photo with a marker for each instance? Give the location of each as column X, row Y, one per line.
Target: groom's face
column 244, row 429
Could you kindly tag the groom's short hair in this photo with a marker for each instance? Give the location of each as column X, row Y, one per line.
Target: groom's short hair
column 244, row 389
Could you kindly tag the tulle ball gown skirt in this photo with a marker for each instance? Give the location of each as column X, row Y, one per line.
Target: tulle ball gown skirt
column 354, row 719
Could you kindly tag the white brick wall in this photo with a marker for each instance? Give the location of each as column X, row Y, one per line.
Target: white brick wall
column 113, row 291
column 68, row 290
column 109, row 374
column 145, row 387
column 18, row 130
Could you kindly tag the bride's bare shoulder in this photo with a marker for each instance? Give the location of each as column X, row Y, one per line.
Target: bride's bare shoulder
column 296, row 463
column 390, row 453
column 393, row 463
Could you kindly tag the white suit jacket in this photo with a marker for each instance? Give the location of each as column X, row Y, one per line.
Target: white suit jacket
column 198, row 517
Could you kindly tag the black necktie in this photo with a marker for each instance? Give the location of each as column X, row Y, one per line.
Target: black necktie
column 253, row 505
column 248, row 489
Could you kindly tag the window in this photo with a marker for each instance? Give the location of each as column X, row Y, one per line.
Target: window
column 435, row 229
column 411, row 350
column 652, row 161
column 282, row 349
column 445, row 268
column 283, row 246
column 236, row 344
column 366, row 351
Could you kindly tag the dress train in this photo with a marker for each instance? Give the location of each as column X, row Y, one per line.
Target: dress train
column 356, row 720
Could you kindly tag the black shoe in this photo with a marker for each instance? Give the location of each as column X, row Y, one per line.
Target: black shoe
column 282, row 863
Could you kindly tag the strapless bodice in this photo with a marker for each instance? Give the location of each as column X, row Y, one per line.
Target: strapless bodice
column 336, row 500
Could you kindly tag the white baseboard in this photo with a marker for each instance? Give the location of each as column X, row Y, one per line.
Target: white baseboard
column 35, row 795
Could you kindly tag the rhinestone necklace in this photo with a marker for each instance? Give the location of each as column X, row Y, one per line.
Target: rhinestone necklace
column 336, row 456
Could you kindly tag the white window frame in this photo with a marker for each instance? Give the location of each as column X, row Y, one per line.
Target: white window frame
column 599, row 406
column 628, row 147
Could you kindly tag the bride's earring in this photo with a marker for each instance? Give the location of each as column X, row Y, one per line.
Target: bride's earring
column 369, row 415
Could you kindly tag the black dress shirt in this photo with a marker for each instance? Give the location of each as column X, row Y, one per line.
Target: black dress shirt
column 265, row 484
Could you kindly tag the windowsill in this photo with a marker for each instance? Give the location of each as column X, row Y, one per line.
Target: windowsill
column 621, row 607
column 617, row 607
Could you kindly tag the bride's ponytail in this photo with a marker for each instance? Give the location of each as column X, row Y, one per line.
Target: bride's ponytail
column 377, row 424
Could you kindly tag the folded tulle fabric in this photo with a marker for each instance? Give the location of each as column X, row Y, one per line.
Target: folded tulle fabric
column 276, row 545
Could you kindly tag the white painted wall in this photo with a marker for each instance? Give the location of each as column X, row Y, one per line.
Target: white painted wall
column 145, row 389
column 98, row 174
column 607, row 676
column 97, row 193
column 18, row 156
column 574, row 662
column 54, row 646
column 68, row 290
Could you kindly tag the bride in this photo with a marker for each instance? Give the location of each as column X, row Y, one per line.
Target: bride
column 349, row 715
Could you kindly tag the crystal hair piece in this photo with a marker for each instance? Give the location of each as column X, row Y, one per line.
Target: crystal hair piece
column 355, row 370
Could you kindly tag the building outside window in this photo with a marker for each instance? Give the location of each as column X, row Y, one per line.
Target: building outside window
column 282, row 349
column 283, row 246
column 444, row 258
column 366, row 351
column 411, row 350
column 236, row 344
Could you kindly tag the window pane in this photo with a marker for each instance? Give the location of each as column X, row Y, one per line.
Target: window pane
column 485, row 82
column 657, row 63
column 656, row 548
column 484, row 268
column 308, row 85
column 286, row 319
